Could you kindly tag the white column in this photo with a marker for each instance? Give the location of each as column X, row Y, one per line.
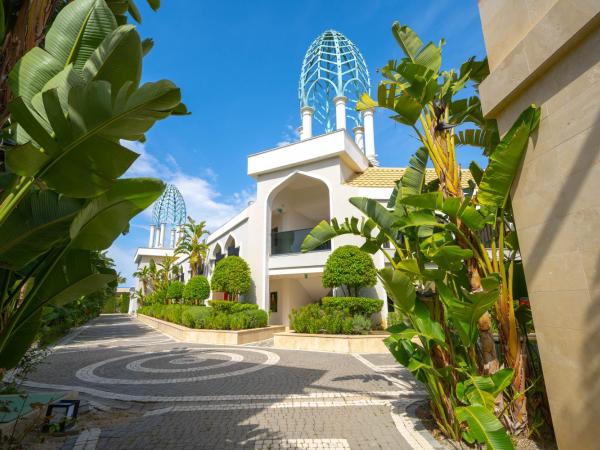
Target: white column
column 369, row 136
column 307, row 117
column 151, row 240
column 161, row 235
column 340, row 112
column 359, row 137
column 172, row 238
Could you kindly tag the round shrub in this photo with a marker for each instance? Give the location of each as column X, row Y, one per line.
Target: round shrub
column 350, row 269
column 231, row 275
column 175, row 290
column 354, row 305
column 196, row 290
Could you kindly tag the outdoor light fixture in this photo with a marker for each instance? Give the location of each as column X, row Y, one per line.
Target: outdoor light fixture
column 61, row 415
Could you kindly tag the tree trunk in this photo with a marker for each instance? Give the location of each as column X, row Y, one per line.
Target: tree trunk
column 27, row 32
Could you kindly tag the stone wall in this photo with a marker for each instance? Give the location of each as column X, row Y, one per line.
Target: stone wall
column 547, row 52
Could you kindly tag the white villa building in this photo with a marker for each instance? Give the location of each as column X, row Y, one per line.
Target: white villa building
column 300, row 184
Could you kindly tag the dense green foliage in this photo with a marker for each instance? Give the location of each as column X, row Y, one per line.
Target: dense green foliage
column 349, row 268
column 193, row 245
column 208, row 317
column 354, row 305
column 124, row 303
column 437, row 247
column 175, row 291
column 231, row 307
column 231, row 275
column 315, row 319
column 196, row 290
column 62, row 197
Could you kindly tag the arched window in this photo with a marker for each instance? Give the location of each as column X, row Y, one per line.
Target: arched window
column 230, row 248
column 296, row 207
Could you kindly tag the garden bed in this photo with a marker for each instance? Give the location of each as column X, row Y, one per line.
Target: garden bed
column 336, row 343
column 204, row 336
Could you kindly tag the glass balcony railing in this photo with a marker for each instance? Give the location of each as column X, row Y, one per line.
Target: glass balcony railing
column 283, row 242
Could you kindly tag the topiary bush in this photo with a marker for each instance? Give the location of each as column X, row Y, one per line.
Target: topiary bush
column 175, row 291
column 231, row 275
column 196, row 290
column 350, row 269
column 354, row 305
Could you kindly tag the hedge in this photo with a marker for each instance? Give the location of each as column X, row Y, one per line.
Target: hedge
column 202, row 317
column 315, row 319
column 354, row 305
column 231, row 307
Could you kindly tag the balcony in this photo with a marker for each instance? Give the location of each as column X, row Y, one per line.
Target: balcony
column 286, row 242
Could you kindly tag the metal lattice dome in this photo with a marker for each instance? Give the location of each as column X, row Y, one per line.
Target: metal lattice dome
column 333, row 67
column 169, row 208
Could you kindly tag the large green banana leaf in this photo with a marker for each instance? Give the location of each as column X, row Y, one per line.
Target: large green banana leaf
column 428, row 55
column 466, row 311
column 84, row 146
column 325, row 231
column 399, row 287
column 412, row 182
column 76, row 32
column 484, row 390
column 484, row 427
column 101, row 221
column 501, row 171
column 40, row 222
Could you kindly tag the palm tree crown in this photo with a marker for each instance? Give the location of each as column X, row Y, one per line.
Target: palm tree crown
column 192, row 244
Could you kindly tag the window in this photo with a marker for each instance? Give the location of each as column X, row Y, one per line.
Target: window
column 273, row 302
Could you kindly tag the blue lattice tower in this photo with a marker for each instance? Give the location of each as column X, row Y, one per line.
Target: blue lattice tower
column 333, row 67
column 168, row 211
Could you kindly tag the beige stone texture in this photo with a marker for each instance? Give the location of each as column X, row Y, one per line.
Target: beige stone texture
column 211, row 337
column 547, row 52
column 336, row 343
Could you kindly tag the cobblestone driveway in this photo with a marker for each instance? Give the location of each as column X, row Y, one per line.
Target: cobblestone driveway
column 189, row 396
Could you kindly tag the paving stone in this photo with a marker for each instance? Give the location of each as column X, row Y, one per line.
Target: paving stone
column 215, row 397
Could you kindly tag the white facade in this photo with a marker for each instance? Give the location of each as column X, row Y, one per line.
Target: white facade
column 297, row 186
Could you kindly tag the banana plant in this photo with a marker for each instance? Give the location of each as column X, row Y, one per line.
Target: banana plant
column 435, row 235
column 61, row 196
column 73, row 111
column 60, row 271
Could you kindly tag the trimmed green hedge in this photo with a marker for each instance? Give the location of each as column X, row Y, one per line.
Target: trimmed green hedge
column 315, row 319
column 354, row 305
column 202, row 317
column 230, row 307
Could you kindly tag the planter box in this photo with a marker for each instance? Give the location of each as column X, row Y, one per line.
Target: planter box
column 218, row 337
column 336, row 343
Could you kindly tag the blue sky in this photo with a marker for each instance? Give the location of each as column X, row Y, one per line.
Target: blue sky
column 237, row 63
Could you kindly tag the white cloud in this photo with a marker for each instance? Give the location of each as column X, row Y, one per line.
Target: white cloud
column 290, row 135
column 203, row 201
